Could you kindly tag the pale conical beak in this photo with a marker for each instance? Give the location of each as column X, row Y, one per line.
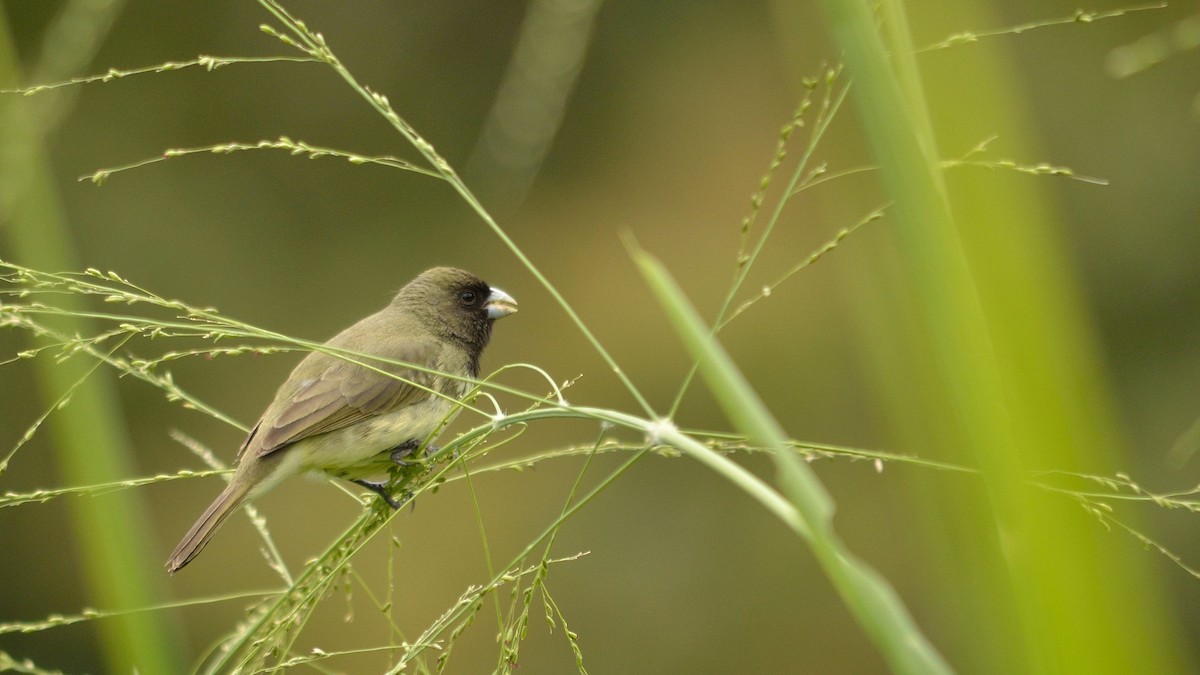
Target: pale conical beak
column 500, row 304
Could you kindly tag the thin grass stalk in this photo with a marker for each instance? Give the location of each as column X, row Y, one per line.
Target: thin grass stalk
column 314, row 45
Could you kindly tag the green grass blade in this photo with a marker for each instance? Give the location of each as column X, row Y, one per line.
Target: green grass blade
column 88, row 435
column 872, row 601
column 1005, row 382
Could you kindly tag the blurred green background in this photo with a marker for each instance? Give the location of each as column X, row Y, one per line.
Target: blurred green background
column 674, row 117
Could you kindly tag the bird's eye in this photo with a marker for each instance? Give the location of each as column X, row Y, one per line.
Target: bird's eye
column 467, row 297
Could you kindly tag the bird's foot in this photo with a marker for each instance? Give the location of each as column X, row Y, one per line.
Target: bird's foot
column 402, row 452
column 381, row 488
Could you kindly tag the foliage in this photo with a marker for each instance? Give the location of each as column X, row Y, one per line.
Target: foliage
column 136, row 320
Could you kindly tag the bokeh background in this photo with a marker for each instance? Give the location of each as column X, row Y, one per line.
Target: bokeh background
column 666, row 134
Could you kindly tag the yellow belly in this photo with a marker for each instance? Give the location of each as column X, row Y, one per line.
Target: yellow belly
column 364, row 449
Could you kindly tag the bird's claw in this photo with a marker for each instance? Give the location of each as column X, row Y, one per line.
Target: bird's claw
column 401, row 452
column 380, row 488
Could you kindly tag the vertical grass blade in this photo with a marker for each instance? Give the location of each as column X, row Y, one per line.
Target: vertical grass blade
column 1006, row 387
column 88, row 437
column 872, row 601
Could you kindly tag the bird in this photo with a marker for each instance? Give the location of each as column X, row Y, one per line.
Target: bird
column 354, row 421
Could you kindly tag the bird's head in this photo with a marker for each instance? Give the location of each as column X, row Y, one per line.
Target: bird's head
column 456, row 304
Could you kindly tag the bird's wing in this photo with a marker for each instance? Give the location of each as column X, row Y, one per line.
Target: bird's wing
column 342, row 394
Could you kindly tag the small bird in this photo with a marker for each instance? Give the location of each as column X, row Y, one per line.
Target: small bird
column 352, row 422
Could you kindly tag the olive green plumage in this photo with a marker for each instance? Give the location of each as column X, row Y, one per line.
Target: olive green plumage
column 349, row 419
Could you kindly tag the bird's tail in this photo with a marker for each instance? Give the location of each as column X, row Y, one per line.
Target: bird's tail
column 204, row 529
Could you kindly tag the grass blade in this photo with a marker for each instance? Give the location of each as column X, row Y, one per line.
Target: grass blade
column 872, row 601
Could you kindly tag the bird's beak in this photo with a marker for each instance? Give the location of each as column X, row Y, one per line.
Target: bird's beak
column 500, row 304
